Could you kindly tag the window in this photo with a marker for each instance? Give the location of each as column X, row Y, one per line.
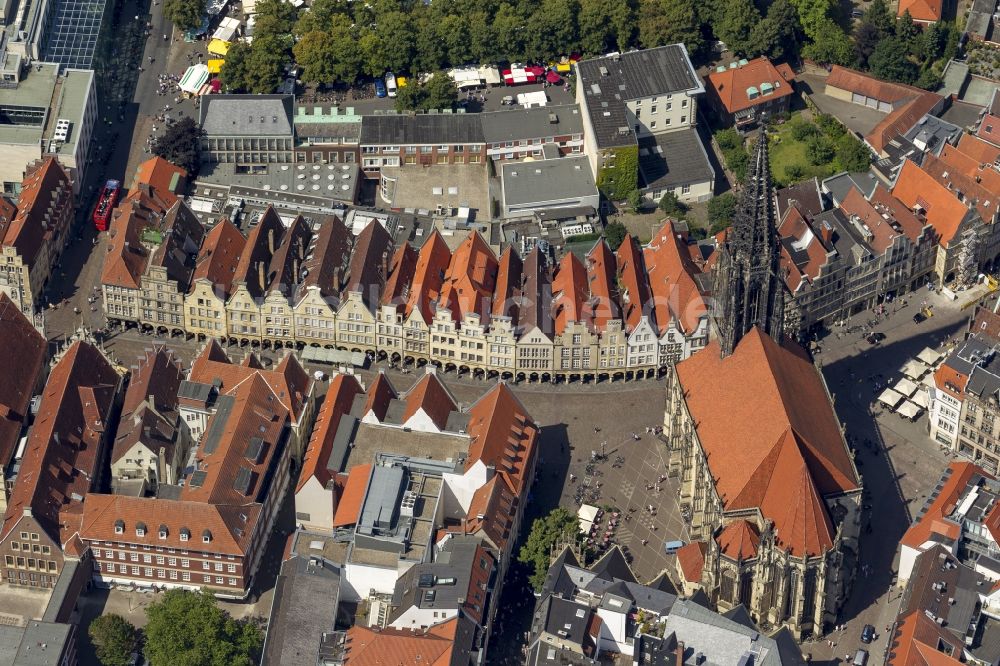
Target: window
column 149, row 572
column 10, row 560
column 206, row 579
column 652, row 125
column 24, row 535
column 232, row 581
column 135, row 571
column 15, row 545
column 207, row 566
column 232, row 568
column 186, row 576
column 219, row 580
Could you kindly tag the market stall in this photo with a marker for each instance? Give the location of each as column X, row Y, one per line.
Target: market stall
column 532, row 99
column 920, row 398
column 219, row 47
column 490, row 75
column 890, row 398
column 466, row 78
column 215, row 65
column 228, row 29
column 194, row 79
column 516, row 76
column 588, row 516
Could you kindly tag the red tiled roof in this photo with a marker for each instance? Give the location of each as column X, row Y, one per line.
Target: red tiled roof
column 508, row 285
column 428, row 277
column 401, row 271
column 230, row 534
column 901, row 120
column 262, row 243
column 502, row 434
column 950, row 380
column 491, row 511
column 986, row 324
column 731, row 86
column 338, row 401
column 64, row 445
column 925, row 11
column 916, row 640
column 982, row 176
column 978, row 149
column 330, row 250
column 887, row 204
column 635, row 294
column 22, row 357
column 471, row 279
column 158, row 376
column 791, row 451
column 989, row 129
column 44, row 184
column 285, row 268
column 855, row 204
column 164, row 178
column 979, row 190
column 220, row 255
column 385, row 647
column 672, row 281
column 942, row 506
column 429, row 395
column 691, row 559
column 379, row 395
column 350, row 501
column 797, row 234
column 369, row 266
column 603, row 305
column 570, row 293
column 916, row 188
column 127, row 257
column 739, row 540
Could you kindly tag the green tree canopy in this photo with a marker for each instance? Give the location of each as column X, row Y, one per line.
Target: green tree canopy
column 672, row 206
column 180, row 144
column 832, row 46
column 189, row 628
column 615, row 233
column 852, row 155
column 316, row 54
column 736, row 27
column 889, row 61
column 721, row 210
column 114, row 639
column 185, row 14
column 553, row 29
column 559, row 525
column 275, row 18
column 438, row 92
column 606, row 25
column 878, row 16
column 669, row 22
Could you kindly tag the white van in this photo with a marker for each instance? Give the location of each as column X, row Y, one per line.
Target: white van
column 390, row 84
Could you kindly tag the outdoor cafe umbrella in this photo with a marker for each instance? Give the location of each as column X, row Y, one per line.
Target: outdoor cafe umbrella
column 553, row 78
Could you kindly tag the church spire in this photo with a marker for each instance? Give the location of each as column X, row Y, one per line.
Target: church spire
column 748, row 283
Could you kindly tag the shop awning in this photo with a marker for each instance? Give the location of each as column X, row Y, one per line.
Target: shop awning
column 214, row 65
column 929, row 356
column 194, row 78
column 914, row 369
column 218, row 47
column 564, row 68
column 905, row 387
column 909, row 410
column 890, row 398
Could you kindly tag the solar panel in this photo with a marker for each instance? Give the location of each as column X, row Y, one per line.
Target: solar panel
column 242, row 482
column 198, row 479
column 255, row 449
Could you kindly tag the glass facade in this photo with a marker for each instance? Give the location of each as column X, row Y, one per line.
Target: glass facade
column 71, row 37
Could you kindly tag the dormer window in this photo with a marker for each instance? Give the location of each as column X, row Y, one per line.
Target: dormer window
column 140, row 529
column 185, row 534
column 163, row 531
column 206, row 537
column 119, row 527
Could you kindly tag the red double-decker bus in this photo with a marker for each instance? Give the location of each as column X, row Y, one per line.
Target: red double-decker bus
column 105, row 204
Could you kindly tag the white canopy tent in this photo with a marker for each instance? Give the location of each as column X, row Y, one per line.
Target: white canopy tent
column 929, row 356
column 905, row 387
column 194, row 78
column 466, row 78
column 914, row 369
column 532, row 99
column 909, row 410
column 227, row 30
column 490, row 75
column 890, row 398
column 920, row 398
column 587, row 515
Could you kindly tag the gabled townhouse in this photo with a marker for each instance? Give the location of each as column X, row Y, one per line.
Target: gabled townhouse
column 947, row 396
column 534, row 328
column 637, row 309
column 521, row 133
column 584, row 345
column 252, row 279
column 63, row 461
column 23, row 355
column 323, row 274
column 212, row 282
column 168, row 273
column 284, row 276
column 421, row 337
column 503, row 316
column 366, row 279
column 213, row 375
column 680, row 301
column 33, row 233
column 466, row 298
column 151, row 441
column 573, row 314
column 213, row 531
column 989, row 125
column 392, row 306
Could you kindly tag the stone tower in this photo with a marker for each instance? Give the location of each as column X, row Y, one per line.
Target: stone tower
column 748, row 283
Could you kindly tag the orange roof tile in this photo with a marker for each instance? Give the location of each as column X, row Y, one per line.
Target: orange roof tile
column 691, row 559
column 676, row 294
column 338, row 401
column 350, row 501
column 508, row 285
column 809, row 252
column 790, row 451
column 45, row 184
column 22, row 357
column 384, row 647
column 731, row 86
column 219, row 255
column 739, row 540
column 379, row 394
column 979, row 150
column 369, row 266
column 263, row 241
column 916, row 188
column 570, row 293
column 942, row 506
column 887, row 204
column 428, row 277
column 981, row 173
column 950, row 380
column 855, row 205
column 126, row 258
column 64, row 445
column 471, row 279
column 634, row 277
column 916, row 640
column 989, row 129
column 502, row 434
column 165, row 178
column 429, row 395
column 491, row 511
column 401, row 271
column 979, row 190
column 603, row 304
column 925, row 11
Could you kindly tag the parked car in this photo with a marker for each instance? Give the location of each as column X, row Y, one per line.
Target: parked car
column 380, row 90
column 867, row 634
column 390, row 84
column 861, row 658
column 919, row 317
column 875, row 338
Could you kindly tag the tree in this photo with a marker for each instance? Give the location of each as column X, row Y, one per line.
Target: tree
column 509, row 31
column 815, row 16
column 396, row 43
column 878, row 16
column 180, row 144
column 189, row 628
column 669, row 22
column 558, row 526
column 738, row 21
column 553, row 30
column 319, row 15
column 831, row 46
column 185, row 14
column 820, row 150
column 316, row 54
column 265, row 64
column 275, row 18
column 932, row 41
column 635, row 202
column 453, row 35
column 866, row 38
column 606, row 25
column 889, row 62
column 907, row 31
column 114, row 639
column 721, row 210
column 615, row 233
column 672, row 206
column 852, row 155
column 234, row 68
column 438, row 92
column 928, row 80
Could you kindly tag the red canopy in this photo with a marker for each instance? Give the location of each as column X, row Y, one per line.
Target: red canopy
column 552, row 77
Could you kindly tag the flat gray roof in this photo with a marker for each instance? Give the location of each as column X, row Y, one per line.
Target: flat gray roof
column 43, row 644
column 538, row 122
column 304, row 608
column 34, row 90
column 673, row 158
column 544, row 180
column 421, row 129
column 246, row 115
column 373, row 439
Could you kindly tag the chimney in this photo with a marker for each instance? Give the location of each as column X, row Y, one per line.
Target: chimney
column 270, row 240
column 826, row 233
column 260, row 274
